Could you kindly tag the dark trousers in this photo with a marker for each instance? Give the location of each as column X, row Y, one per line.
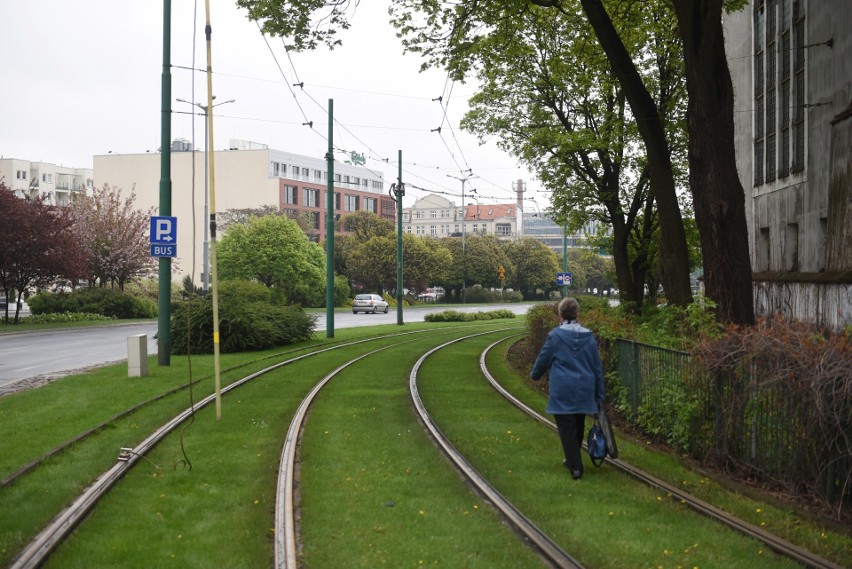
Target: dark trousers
column 571, row 429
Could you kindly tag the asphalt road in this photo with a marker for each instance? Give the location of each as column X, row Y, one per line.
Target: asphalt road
column 54, row 353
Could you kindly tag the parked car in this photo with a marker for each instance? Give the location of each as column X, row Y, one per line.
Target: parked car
column 369, row 303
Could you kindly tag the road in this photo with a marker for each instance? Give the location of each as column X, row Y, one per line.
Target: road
column 42, row 356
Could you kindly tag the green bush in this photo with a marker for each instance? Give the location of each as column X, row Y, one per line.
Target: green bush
column 108, row 302
column 456, row 316
column 250, row 318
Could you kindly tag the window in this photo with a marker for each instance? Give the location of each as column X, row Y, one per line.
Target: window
column 759, row 102
column 503, row 229
column 791, row 247
column 22, row 174
column 763, row 250
column 276, row 169
column 418, row 230
column 317, row 174
column 370, row 205
column 291, row 195
column 771, row 61
column 295, row 170
column 433, row 231
column 315, row 219
column 351, row 203
column 784, row 74
column 418, row 215
column 799, row 86
column 433, row 214
column 47, row 178
column 311, row 197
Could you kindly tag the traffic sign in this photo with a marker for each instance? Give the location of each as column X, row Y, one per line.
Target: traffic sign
column 564, row 279
column 163, row 250
column 163, row 231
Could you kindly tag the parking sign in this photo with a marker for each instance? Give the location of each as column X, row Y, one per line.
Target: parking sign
column 163, row 230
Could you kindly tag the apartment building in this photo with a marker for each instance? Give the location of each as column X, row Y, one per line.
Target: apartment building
column 247, row 175
column 436, row 216
column 56, row 184
column 791, row 67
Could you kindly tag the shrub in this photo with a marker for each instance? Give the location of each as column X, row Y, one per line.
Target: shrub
column 456, row 316
column 250, row 318
column 106, row 301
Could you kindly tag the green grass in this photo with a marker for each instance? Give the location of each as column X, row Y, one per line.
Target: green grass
column 374, row 490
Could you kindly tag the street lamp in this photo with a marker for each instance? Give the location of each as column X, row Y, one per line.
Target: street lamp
column 205, row 278
column 464, row 227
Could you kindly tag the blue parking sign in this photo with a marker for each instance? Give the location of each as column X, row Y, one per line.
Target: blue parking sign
column 563, row 279
column 163, row 230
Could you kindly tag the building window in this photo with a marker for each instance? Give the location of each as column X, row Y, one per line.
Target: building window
column 370, row 205
column 791, row 247
column 311, row 197
column 317, row 174
column 799, row 86
column 418, row 215
column 433, row 214
column 763, row 250
column 295, row 171
column 784, row 73
column 276, row 169
column 418, row 230
column 315, row 219
column 433, row 231
column 21, row 174
column 351, row 203
column 771, row 64
column 759, row 101
column 47, row 178
column 503, row 229
column 291, row 194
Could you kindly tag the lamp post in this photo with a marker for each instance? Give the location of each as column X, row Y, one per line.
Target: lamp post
column 205, row 279
column 464, row 228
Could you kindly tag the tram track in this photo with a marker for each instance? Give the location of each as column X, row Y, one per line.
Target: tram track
column 774, row 542
column 285, row 544
column 38, row 549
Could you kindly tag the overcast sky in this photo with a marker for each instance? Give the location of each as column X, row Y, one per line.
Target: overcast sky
column 83, row 77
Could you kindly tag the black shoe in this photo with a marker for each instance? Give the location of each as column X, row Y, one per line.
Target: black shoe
column 576, row 474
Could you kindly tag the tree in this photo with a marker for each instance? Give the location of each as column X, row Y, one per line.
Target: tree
column 114, row 236
column 534, row 267
column 572, row 127
column 272, row 250
column 476, row 261
column 38, row 248
column 372, row 263
column 444, row 32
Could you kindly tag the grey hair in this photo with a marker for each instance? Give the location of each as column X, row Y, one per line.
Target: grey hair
column 568, row 308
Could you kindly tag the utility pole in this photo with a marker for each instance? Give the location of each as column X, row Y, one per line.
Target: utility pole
column 164, row 272
column 398, row 192
column 329, row 227
column 463, row 180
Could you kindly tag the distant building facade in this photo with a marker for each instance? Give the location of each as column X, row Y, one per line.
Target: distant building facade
column 56, row 184
column 247, row 176
column 791, row 67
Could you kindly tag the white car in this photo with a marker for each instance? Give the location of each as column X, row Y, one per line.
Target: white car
column 369, row 303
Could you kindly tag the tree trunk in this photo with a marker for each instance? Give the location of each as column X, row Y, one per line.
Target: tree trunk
column 718, row 195
column 674, row 256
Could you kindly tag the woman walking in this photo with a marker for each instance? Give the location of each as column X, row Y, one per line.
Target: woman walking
column 576, row 380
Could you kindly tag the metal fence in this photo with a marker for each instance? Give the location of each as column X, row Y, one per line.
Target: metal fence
column 735, row 418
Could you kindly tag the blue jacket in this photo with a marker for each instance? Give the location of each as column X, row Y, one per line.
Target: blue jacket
column 576, row 374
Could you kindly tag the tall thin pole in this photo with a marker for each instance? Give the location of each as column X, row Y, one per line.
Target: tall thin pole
column 564, row 259
column 208, row 31
column 164, row 274
column 464, row 231
column 400, row 191
column 205, row 259
column 329, row 228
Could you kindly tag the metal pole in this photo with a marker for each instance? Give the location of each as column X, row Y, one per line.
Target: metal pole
column 564, row 259
column 164, row 273
column 329, row 228
column 205, row 261
column 400, row 191
column 464, row 231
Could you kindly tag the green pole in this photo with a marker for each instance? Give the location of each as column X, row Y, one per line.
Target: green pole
column 329, row 228
column 564, row 259
column 164, row 289
column 400, row 191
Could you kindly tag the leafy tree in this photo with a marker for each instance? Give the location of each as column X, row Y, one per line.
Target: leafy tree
column 445, row 32
column 534, row 267
column 114, row 236
column 38, row 248
column 476, row 261
column 372, row 264
column 274, row 251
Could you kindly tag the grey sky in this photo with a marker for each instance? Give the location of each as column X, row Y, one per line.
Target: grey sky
column 84, row 78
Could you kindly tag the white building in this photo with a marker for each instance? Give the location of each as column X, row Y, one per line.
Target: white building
column 247, row 176
column 43, row 179
column 791, row 67
column 436, row 216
